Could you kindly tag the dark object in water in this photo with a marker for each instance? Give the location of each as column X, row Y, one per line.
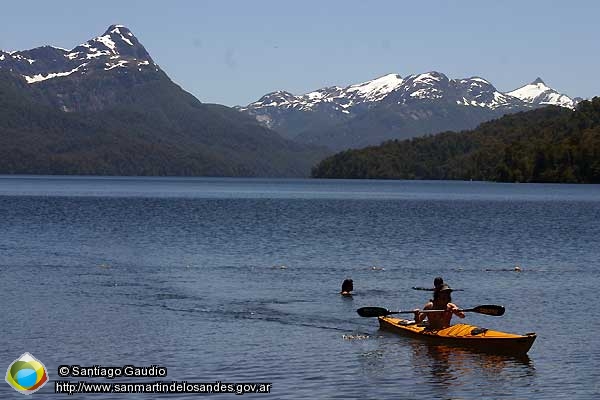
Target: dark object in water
column 347, row 286
column 437, row 283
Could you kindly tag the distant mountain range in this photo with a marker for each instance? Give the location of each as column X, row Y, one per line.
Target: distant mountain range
column 392, row 107
column 105, row 107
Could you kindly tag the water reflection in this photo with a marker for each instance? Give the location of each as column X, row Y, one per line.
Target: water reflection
column 444, row 365
column 424, row 370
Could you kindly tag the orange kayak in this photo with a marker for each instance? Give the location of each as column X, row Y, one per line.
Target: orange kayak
column 463, row 335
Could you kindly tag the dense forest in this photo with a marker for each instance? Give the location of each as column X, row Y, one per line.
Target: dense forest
column 551, row 144
column 151, row 128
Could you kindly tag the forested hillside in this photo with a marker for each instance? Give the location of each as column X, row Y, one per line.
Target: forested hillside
column 546, row 145
column 164, row 131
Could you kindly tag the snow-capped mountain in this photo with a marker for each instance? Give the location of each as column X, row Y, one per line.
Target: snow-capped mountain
column 105, row 107
column 286, row 112
column 116, row 48
column 395, row 107
column 537, row 92
column 88, row 77
column 341, row 99
column 435, row 86
column 340, row 103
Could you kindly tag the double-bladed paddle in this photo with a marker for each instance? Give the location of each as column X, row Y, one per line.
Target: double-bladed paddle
column 432, row 289
column 487, row 309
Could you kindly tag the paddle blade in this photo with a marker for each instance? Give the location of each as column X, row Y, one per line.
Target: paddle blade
column 373, row 311
column 489, row 309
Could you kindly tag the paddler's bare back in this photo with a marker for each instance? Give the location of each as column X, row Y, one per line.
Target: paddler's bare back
column 440, row 320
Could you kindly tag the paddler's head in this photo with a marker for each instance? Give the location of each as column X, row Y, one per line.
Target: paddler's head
column 437, row 282
column 442, row 293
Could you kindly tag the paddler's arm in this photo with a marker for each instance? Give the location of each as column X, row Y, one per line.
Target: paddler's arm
column 419, row 316
column 455, row 310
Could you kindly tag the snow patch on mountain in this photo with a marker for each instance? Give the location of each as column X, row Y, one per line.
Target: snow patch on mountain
column 40, row 77
column 106, row 40
column 18, row 56
column 122, row 63
column 428, row 78
column 376, row 89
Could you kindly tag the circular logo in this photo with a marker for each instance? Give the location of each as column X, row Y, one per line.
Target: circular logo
column 26, row 374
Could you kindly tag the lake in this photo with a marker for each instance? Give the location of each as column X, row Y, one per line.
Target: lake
column 237, row 280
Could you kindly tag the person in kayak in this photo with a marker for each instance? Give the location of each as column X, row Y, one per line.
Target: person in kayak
column 442, row 300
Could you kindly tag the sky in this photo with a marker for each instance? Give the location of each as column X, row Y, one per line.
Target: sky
column 233, row 52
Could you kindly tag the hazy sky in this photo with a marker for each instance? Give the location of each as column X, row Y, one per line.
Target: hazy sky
column 233, row 52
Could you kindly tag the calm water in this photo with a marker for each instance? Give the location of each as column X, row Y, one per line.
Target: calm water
column 186, row 274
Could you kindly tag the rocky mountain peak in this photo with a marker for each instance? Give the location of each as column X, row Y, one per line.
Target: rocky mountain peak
column 116, row 48
column 538, row 81
column 118, row 40
column 538, row 93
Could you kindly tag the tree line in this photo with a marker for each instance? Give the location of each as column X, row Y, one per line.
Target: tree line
column 551, row 144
